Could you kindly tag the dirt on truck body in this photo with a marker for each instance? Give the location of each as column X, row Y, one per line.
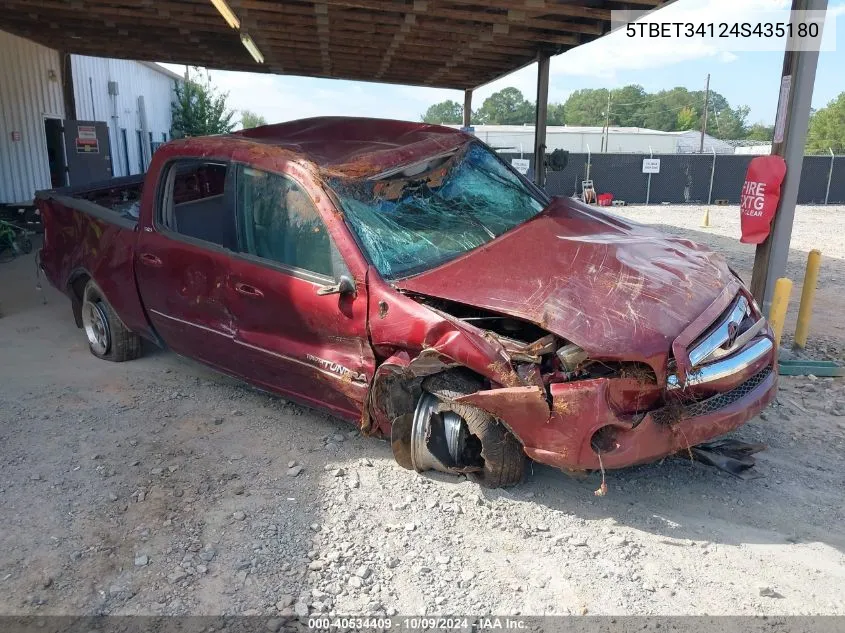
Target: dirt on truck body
column 404, row 277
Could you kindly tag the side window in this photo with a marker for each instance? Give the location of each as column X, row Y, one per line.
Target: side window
column 199, row 202
column 279, row 222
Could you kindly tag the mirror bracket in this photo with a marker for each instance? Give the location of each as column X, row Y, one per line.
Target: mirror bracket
column 344, row 286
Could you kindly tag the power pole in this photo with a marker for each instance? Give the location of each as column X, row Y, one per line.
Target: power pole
column 704, row 118
column 606, row 139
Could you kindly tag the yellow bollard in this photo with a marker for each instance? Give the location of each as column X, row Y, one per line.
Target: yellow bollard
column 780, row 301
column 808, row 294
column 705, row 221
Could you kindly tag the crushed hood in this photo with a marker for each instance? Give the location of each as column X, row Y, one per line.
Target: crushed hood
column 616, row 288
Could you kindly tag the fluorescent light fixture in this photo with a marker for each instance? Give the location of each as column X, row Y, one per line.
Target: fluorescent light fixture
column 249, row 45
column 227, row 13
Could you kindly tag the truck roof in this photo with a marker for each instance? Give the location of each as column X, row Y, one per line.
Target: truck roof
column 356, row 146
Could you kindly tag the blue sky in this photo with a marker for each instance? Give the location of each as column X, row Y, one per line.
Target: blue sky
column 749, row 78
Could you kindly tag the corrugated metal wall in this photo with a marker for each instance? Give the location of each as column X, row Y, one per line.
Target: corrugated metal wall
column 91, row 76
column 30, row 90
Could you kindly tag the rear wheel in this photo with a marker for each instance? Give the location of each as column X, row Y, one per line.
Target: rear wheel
column 107, row 337
column 486, row 445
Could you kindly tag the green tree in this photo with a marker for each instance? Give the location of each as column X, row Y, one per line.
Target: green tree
column 586, row 107
column 556, row 114
column 760, row 132
column 589, row 107
column 200, row 109
column 660, row 110
column 251, row 119
column 444, row 112
column 626, row 105
column 827, row 128
column 630, row 106
column 506, row 107
column 724, row 121
column 686, row 118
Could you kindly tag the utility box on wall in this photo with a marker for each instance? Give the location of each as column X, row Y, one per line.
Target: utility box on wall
column 87, row 151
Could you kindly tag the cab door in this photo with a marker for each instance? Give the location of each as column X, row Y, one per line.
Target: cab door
column 182, row 260
column 290, row 335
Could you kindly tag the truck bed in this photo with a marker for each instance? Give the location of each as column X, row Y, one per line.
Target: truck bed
column 110, row 199
column 90, row 233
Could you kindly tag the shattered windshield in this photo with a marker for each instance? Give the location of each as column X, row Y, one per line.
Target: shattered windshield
column 433, row 211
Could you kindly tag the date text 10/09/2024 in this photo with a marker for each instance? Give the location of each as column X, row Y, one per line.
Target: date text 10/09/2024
column 723, row 29
column 423, row 623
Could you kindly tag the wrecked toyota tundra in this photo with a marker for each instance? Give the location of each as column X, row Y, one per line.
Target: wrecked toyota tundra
column 402, row 276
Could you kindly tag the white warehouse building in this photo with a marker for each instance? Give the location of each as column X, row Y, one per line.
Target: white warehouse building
column 71, row 119
column 583, row 139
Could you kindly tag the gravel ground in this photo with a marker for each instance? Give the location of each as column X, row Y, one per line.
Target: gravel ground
column 159, row 487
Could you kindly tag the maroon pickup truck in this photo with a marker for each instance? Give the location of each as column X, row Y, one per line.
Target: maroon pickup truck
column 404, row 277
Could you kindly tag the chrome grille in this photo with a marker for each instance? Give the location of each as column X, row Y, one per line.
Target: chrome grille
column 676, row 412
column 725, row 331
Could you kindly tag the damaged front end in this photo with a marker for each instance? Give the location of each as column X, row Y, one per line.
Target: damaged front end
column 589, row 340
column 576, row 412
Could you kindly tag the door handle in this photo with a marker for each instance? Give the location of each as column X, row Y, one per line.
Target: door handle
column 150, row 260
column 247, row 290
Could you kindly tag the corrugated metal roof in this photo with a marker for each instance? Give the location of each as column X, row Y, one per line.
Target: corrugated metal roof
column 440, row 43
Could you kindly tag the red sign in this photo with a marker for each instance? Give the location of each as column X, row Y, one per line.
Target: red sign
column 760, row 195
column 16, row 137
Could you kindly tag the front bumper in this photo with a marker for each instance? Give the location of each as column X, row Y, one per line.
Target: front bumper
column 718, row 400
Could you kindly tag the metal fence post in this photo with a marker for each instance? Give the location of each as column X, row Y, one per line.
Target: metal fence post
column 829, row 174
column 648, row 187
column 712, row 173
column 588, row 163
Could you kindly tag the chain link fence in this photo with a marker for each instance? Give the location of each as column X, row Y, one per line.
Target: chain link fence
column 685, row 178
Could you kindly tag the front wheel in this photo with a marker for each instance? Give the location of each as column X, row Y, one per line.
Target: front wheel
column 496, row 454
column 107, row 337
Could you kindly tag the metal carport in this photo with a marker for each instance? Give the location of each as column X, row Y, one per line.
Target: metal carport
column 457, row 44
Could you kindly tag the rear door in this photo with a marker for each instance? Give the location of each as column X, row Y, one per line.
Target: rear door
column 289, row 337
column 88, row 153
column 182, row 259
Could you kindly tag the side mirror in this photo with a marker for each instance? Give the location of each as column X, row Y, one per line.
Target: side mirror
column 344, row 286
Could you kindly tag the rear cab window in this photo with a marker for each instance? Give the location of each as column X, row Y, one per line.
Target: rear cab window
column 198, row 202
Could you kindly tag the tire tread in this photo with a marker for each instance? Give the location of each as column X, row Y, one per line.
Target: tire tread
column 504, row 459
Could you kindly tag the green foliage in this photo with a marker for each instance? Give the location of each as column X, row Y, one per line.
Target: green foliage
column 626, row 105
column 200, row 109
column 251, row 119
column 444, row 112
column 556, row 114
column 761, row 132
column 827, row 128
column 586, row 107
column 686, row 118
column 677, row 109
column 506, row 107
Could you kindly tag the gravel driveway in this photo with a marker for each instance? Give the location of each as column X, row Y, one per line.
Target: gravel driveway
column 159, row 487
